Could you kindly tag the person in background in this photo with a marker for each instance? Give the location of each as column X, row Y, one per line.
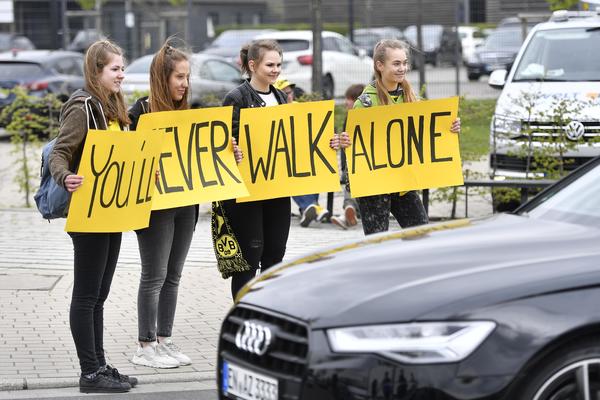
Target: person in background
column 164, row 244
column 100, row 105
column 308, row 204
column 348, row 218
column 390, row 63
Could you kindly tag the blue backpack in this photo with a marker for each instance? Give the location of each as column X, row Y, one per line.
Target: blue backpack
column 51, row 199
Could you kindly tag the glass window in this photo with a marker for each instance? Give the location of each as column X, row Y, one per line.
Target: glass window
column 140, row 66
column 345, row 46
column 561, row 55
column 330, row 44
column 293, row 44
column 65, row 66
column 19, row 71
column 220, row 71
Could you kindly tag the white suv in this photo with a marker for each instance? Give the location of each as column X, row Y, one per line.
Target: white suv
column 343, row 64
column 550, row 100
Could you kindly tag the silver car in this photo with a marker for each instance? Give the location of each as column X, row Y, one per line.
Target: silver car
column 211, row 77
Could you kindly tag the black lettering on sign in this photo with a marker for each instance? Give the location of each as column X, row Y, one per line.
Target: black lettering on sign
column 216, row 149
column 415, row 141
column 149, row 176
column 283, row 149
column 433, row 135
column 199, row 151
column 390, row 125
column 295, row 171
column 260, row 164
column 357, row 139
column 375, row 165
column 97, row 175
column 313, row 143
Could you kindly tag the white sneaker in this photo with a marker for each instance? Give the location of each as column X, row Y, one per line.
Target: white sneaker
column 151, row 356
column 169, row 348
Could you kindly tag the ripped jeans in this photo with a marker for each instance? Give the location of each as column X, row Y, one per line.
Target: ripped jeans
column 261, row 229
column 375, row 211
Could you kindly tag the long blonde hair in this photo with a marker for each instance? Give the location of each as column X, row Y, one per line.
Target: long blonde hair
column 97, row 57
column 163, row 64
column 380, row 54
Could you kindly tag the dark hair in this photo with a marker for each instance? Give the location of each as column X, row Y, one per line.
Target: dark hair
column 163, row 64
column 380, row 54
column 97, row 56
column 255, row 51
column 354, row 91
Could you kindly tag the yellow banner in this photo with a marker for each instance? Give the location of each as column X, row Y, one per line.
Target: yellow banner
column 286, row 150
column 403, row 147
column 197, row 163
column 119, row 170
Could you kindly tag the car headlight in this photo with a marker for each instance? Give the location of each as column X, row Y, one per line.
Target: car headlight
column 509, row 126
column 416, row 343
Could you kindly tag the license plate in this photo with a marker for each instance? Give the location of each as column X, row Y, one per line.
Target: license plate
column 248, row 385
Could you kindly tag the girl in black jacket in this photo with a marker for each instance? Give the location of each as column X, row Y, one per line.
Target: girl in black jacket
column 260, row 227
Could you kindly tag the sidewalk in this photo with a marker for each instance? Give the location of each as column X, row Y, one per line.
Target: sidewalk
column 35, row 288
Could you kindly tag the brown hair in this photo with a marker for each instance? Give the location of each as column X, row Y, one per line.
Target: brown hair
column 97, row 57
column 255, row 51
column 354, row 91
column 380, row 54
column 163, row 64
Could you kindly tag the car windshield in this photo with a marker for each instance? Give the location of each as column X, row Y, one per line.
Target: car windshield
column 293, row 44
column 561, row 55
column 431, row 33
column 576, row 202
column 233, row 38
column 13, row 71
column 139, row 66
column 504, row 39
column 366, row 39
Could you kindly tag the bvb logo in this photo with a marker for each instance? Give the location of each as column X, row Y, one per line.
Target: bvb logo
column 227, row 246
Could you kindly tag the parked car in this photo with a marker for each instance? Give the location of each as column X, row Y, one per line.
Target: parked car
column 41, row 72
column 84, row 39
column 471, row 37
column 229, row 43
column 501, row 308
column 367, row 38
column 558, row 63
column 343, row 64
column 439, row 43
column 13, row 41
column 211, row 77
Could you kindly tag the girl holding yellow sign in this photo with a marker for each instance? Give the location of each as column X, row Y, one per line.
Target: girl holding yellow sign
column 391, row 64
column 99, row 106
column 164, row 244
column 258, row 230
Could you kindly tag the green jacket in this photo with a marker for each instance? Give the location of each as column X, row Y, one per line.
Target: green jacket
column 369, row 98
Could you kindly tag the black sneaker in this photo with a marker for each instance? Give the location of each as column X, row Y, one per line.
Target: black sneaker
column 110, row 371
column 102, row 384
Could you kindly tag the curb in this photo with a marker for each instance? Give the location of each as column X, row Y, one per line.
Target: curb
column 60, row 383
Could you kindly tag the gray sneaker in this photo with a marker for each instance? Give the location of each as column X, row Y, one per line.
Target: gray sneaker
column 153, row 356
column 309, row 215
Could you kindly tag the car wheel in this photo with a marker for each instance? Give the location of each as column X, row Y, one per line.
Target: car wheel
column 473, row 77
column 328, row 87
column 571, row 373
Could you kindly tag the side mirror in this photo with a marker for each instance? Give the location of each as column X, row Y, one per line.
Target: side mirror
column 498, row 79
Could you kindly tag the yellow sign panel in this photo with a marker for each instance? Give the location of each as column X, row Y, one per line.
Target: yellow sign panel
column 197, row 162
column 286, row 150
column 403, row 147
column 119, row 170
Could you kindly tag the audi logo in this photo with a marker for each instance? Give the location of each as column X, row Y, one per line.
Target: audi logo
column 575, row 130
column 253, row 338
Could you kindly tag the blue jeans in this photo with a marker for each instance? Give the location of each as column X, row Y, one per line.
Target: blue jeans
column 306, row 200
column 163, row 248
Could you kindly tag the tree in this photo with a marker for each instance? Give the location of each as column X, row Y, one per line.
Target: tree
column 562, row 4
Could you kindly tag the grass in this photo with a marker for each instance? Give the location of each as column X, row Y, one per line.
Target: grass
column 475, row 116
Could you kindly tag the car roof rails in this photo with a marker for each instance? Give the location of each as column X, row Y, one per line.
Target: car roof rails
column 565, row 15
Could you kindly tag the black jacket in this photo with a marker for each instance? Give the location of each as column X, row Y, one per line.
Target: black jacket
column 244, row 96
column 140, row 107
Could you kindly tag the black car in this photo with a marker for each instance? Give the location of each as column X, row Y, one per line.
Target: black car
column 439, row 44
column 498, row 308
column 498, row 52
column 40, row 72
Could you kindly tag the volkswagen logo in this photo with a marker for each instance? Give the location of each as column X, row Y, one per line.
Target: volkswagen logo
column 253, row 337
column 574, row 130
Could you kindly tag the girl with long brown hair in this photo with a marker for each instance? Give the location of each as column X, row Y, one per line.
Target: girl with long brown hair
column 99, row 106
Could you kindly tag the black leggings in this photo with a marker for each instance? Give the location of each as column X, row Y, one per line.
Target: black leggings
column 375, row 211
column 95, row 260
column 261, row 229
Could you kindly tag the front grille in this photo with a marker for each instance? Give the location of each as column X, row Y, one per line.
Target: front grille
column 545, row 131
column 288, row 352
column 513, row 163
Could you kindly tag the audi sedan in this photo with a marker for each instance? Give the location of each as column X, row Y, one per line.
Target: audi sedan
column 499, row 308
